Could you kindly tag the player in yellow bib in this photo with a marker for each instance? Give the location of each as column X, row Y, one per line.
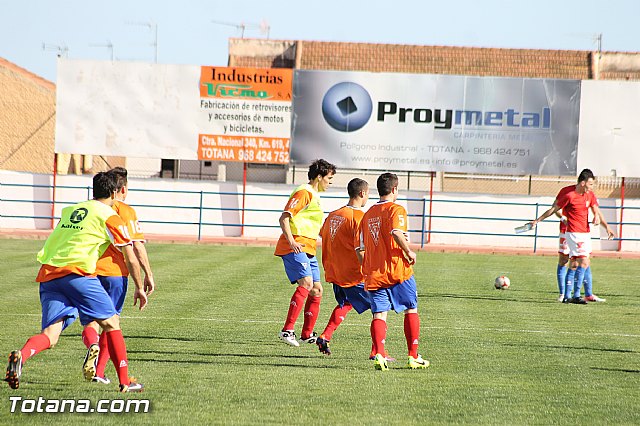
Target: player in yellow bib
column 69, row 287
column 300, row 222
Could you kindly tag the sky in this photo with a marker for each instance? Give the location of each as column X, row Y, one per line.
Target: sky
column 196, row 32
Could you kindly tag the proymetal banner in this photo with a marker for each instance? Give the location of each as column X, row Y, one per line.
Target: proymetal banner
column 436, row 122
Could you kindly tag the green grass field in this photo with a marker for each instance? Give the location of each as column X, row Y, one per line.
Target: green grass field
column 207, row 350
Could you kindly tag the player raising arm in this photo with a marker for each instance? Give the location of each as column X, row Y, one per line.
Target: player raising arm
column 575, row 202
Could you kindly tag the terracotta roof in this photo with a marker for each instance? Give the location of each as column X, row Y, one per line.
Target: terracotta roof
column 454, row 60
column 27, row 74
column 446, row 60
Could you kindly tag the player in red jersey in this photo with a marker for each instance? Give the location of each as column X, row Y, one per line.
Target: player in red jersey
column 575, row 202
column 388, row 272
column 113, row 274
column 341, row 262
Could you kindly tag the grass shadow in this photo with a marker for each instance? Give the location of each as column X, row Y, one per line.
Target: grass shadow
column 622, row 370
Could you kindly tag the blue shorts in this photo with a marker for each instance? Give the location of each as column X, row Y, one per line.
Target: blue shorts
column 300, row 265
column 357, row 296
column 398, row 297
column 84, row 296
column 116, row 288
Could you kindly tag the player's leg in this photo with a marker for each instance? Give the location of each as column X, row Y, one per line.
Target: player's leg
column 94, row 303
column 91, row 339
column 312, row 305
column 583, row 264
column 380, row 305
column 337, row 316
column 116, row 288
column 404, row 298
column 588, row 287
column 563, row 260
column 118, row 352
column 298, row 270
column 57, row 314
column 574, row 242
column 580, row 247
column 35, row 344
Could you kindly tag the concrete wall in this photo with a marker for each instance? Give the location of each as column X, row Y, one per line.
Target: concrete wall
column 456, row 219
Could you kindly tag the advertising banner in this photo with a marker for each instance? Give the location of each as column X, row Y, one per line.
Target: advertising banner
column 609, row 128
column 184, row 112
column 248, row 112
column 427, row 122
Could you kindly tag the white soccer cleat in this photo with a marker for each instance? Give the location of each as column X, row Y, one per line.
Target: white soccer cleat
column 417, row 363
column 311, row 339
column 103, row 380
column 594, row 298
column 289, row 337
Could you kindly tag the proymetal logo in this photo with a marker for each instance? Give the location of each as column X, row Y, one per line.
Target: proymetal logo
column 347, row 107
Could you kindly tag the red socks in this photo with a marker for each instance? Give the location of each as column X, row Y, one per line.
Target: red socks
column 338, row 315
column 311, row 310
column 118, row 351
column 412, row 333
column 295, row 307
column 89, row 336
column 35, row 344
column 378, row 335
column 103, row 358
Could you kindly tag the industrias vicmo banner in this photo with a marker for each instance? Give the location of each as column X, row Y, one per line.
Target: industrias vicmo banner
column 436, row 122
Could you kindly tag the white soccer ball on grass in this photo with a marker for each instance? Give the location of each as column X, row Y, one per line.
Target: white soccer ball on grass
column 502, row 282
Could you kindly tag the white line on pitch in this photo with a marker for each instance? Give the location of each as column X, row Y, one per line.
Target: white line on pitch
column 255, row 321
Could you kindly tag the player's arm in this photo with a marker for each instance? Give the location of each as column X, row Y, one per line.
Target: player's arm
column 401, row 239
column 399, row 233
column 286, row 231
column 134, row 270
column 120, row 239
column 359, row 243
column 558, row 213
column 598, row 218
column 546, row 214
column 141, row 254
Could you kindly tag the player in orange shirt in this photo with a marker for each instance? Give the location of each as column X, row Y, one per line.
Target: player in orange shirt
column 300, row 222
column 113, row 275
column 341, row 262
column 388, row 272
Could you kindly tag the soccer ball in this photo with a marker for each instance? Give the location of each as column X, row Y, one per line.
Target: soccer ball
column 502, row 282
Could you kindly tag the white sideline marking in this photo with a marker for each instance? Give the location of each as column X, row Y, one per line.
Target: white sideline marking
column 252, row 321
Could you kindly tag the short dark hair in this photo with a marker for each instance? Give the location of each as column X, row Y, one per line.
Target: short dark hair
column 321, row 168
column 356, row 185
column 386, row 183
column 104, row 184
column 585, row 175
column 121, row 177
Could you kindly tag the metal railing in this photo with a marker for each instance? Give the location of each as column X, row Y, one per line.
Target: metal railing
column 421, row 214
